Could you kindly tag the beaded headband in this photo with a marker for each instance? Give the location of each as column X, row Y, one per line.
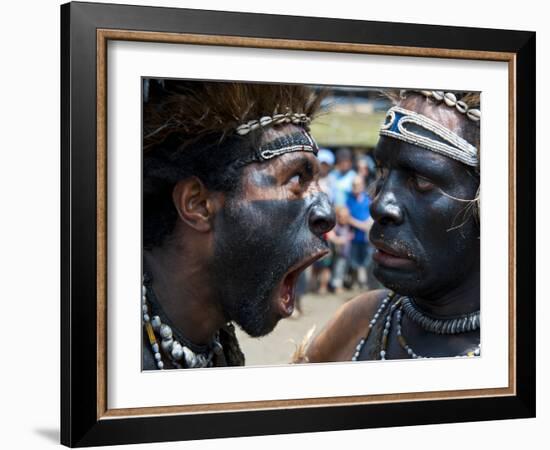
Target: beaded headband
column 403, row 124
column 451, row 101
column 295, row 118
column 299, row 141
column 294, row 142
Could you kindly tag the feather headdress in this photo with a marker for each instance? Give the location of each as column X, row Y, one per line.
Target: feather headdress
column 194, row 109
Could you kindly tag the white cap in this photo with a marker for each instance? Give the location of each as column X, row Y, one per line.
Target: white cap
column 325, row 156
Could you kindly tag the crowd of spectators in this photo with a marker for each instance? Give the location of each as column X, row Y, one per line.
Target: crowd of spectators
column 345, row 177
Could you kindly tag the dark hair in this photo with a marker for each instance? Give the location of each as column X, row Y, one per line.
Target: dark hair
column 218, row 165
column 343, row 154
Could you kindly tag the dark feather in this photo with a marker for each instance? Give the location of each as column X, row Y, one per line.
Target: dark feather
column 194, row 108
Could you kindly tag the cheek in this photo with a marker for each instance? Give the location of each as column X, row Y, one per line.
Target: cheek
column 272, row 220
column 447, row 232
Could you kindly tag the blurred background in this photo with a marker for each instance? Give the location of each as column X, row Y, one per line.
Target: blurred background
column 346, row 132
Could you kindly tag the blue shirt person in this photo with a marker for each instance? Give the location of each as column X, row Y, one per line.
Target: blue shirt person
column 358, row 203
column 341, row 178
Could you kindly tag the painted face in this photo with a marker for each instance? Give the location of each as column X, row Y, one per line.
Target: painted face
column 266, row 235
column 427, row 242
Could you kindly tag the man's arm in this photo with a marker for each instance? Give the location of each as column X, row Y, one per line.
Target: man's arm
column 337, row 341
column 361, row 225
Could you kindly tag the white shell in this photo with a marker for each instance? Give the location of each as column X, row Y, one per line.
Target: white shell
column 167, row 345
column 160, row 365
column 438, row 95
column 177, row 352
column 155, row 347
column 426, row 93
column 474, row 114
column 255, row 125
column 145, row 309
column 143, row 290
column 190, row 357
column 450, row 99
column 243, row 129
column 146, row 317
column 266, row 120
column 165, row 332
column 461, row 106
column 156, row 323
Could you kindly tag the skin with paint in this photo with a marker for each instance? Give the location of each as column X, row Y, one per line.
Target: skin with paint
column 427, row 247
column 237, row 257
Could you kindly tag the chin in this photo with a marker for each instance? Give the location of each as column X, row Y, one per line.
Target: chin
column 399, row 281
column 257, row 330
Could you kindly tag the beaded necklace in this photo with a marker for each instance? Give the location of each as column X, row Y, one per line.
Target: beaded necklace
column 181, row 352
column 405, row 305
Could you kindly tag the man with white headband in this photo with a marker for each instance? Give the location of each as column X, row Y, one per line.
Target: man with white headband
column 426, row 234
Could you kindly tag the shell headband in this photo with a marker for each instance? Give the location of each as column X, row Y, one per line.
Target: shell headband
column 299, row 141
column 404, row 125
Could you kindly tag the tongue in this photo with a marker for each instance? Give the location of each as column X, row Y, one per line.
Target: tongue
column 287, row 301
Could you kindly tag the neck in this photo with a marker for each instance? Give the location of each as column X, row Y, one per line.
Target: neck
column 183, row 292
column 460, row 300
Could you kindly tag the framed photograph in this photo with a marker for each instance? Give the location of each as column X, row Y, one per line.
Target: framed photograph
column 279, row 224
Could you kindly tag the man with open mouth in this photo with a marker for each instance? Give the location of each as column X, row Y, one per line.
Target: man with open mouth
column 426, row 235
column 232, row 214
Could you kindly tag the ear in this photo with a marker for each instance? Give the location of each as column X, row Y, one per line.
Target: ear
column 194, row 203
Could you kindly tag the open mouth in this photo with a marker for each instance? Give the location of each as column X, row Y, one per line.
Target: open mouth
column 391, row 256
column 287, row 289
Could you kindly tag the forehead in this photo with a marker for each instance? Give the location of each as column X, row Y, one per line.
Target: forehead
column 395, row 153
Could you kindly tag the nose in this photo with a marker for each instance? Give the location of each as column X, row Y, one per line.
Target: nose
column 321, row 216
column 385, row 208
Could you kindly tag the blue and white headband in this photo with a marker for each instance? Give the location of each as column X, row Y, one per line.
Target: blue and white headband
column 397, row 126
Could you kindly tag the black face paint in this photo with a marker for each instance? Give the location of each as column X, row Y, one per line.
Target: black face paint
column 427, row 243
column 256, row 244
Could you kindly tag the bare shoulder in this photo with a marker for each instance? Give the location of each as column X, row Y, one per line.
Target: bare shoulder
column 337, row 340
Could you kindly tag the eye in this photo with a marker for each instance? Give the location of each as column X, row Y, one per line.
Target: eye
column 301, row 177
column 422, row 184
column 295, row 179
column 376, row 185
column 381, row 173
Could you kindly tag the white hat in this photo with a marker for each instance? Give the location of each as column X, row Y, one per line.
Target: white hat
column 325, row 156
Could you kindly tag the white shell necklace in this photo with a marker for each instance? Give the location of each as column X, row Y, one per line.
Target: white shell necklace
column 180, row 355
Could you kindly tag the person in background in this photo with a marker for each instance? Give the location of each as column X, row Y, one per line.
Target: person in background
column 363, row 169
column 358, row 203
column 326, row 160
column 341, row 177
column 340, row 237
column 366, row 167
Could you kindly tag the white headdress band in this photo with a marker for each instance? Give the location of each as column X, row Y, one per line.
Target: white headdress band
column 295, row 118
column 397, row 126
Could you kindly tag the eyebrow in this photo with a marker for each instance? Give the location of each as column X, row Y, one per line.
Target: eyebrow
column 300, row 162
column 424, row 166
